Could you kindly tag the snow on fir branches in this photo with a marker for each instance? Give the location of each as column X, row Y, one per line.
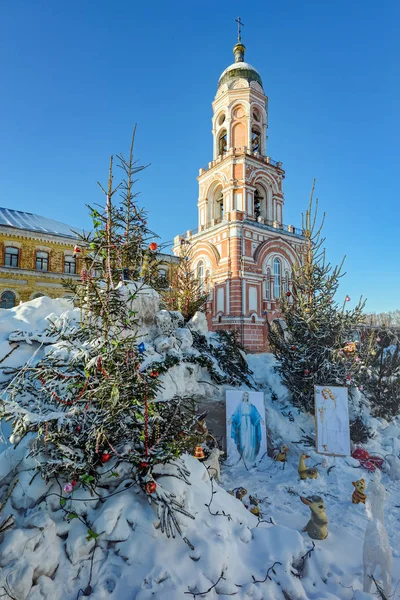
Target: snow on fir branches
column 86, row 401
column 313, row 349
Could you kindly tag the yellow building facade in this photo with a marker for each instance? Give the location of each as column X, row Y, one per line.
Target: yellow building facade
column 36, row 253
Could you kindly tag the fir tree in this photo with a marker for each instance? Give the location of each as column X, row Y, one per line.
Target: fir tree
column 380, row 379
column 88, row 401
column 186, row 293
column 317, row 348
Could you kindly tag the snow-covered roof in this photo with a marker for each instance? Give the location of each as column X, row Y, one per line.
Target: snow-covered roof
column 24, row 220
column 239, row 65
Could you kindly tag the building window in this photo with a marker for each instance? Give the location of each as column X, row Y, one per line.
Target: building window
column 70, row 265
column 268, row 286
column 257, row 204
column 11, row 257
column 8, row 300
column 42, row 261
column 200, row 274
column 219, row 206
column 222, row 142
column 255, row 140
column 256, row 115
column 277, row 278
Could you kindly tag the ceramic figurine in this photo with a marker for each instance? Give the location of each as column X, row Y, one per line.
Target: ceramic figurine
column 304, row 472
column 317, row 526
column 280, row 456
column 212, row 464
column 240, row 493
column 358, row 494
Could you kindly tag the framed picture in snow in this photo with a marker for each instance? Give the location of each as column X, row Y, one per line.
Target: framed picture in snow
column 332, row 420
column 245, row 426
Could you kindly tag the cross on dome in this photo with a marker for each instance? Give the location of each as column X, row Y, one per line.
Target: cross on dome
column 240, row 25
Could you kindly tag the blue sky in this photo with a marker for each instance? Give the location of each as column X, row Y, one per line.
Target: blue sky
column 77, row 75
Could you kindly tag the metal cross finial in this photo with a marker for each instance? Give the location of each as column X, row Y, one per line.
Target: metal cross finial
column 240, row 25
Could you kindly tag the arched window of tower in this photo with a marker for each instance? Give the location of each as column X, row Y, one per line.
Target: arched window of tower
column 221, row 119
column 277, row 278
column 256, row 115
column 222, row 142
column 255, row 140
column 218, row 205
column 260, row 202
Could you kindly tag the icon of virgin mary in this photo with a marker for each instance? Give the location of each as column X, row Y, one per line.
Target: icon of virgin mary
column 246, row 429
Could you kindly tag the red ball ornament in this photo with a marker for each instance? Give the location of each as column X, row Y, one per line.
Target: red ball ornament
column 153, row 246
column 151, row 487
column 154, row 374
column 294, row 347
column 74, row 482
column 288, row 294
column 306, row 372
column 105, row 457
column 143, row 465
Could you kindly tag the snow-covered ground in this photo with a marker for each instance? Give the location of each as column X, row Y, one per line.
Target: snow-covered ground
column 225, row 550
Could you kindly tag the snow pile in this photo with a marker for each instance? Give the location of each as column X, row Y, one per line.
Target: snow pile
column 110, row 545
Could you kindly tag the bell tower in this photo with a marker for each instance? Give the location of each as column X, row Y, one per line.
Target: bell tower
column 241, row 245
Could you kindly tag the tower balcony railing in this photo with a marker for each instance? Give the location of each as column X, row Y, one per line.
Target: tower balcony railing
column 239, row 151
column 298, row 231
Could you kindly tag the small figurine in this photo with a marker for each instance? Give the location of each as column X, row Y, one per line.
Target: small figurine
column 281, row 455
column 255, row 509
column 358, row 494
column 240, row 493
column 317, row 526
column 304, row 472
column 212, row 464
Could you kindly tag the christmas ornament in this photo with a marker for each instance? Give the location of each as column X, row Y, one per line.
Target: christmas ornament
column 288, row 294
column 361, row 387
column 306, row 372
column 304, row 471
column 84, row 275
column 378, row 339
column 105, row 457
column 141, row 348
column 154, row 374
column 317, row 526
column 350, row 347
column 358, row 494
column 360, row 454
column 153, row 246
column 151, row 487
column 68, row 487
column 264, row 312
column 294, row 347
column 357, row 359
column 348, row 298
column 74, row 483
column 143, row 465
column 199, row 453
column 77, row 250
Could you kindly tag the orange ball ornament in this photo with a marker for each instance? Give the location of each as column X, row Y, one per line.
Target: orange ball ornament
column 151, row 487
column 153, row 246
